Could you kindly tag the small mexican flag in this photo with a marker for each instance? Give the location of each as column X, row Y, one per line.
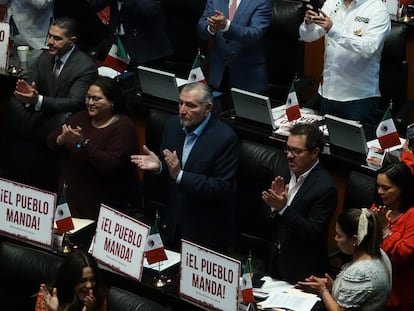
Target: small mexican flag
column 386, row 132
column 292, row 104
column 196, row 74
column 154, row 248
column 117, row 57
column 63, row 218
column 246, row 286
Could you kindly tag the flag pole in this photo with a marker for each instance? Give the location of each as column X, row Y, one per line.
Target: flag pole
column 160, row 279
column 249, row 262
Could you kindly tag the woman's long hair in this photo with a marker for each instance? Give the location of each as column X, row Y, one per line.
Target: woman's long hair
column 70, row 274
column 400, row 176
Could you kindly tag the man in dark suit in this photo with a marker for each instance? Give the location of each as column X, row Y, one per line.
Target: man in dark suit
column 55, row 87
column 237, row 58
column 140, row 24
column 302, row 209
column 200, row 154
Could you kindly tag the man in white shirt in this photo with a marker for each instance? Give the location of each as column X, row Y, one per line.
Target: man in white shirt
column 354, row 32
column 32, row 20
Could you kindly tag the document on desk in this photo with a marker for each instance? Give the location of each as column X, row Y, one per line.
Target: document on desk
column 290, row 300
column 282, row 123
column 375, row 143
column 80, row 223
column 283, row 295
column 173, row 259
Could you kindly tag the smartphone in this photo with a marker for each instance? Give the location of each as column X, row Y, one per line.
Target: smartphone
column 410, row 136
column 316, row 5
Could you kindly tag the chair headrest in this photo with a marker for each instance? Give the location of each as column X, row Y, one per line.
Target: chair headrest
column 395, row 43
column 287, row 17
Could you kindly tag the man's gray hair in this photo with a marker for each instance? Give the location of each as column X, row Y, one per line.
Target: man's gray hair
column 205, row 92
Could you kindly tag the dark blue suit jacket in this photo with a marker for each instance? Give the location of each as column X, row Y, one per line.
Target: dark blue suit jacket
column 201, row 207
column 241, row 48
column 302, row 231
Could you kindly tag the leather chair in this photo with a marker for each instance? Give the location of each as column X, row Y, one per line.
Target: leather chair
column 359, row 193
column 284, row 51
column 359, row 190
column 181, row 21
column 258, row 165
column 155, row 187
column 123, row 300
column 28, row 267
column 393, row 77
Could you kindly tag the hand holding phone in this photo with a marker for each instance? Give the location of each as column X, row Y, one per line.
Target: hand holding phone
column 316, row 5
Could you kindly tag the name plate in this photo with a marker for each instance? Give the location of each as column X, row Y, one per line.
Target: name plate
column 27, row 213
column 119, row 242
column 4, row 45
column 208, row 278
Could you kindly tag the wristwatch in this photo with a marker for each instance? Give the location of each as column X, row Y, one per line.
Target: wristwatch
column 80, row 145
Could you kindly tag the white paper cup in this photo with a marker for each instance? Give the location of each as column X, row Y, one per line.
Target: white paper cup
column 22, row 53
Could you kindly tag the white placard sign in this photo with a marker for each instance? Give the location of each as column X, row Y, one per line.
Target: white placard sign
column 208, row 278
column 4, row 45
column 26, row 212
column 119, row 242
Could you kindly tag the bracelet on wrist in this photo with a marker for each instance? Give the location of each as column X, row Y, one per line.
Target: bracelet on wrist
column 80, row 145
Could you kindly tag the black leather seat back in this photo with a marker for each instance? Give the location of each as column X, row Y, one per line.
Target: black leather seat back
column 394, row 69
column 26, row 268
column 181, row 27
column 155, row 187
column 359, row 191
column 259, row 165
column 120, row 299
column 283, row 49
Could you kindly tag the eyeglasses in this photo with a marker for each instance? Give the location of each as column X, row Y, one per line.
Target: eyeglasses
column 95, row 99
column 295, row 151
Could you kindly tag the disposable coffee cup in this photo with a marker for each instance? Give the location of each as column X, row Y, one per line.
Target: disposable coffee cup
column 22, row 51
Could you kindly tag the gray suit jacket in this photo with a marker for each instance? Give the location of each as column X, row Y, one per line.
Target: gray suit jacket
column 61, row 97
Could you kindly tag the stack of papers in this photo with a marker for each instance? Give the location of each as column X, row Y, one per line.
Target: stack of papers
column 283, row 295
column 282, row 123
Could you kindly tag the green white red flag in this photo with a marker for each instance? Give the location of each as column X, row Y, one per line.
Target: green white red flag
column 292, row 104
column 117, row 57
column 386, row 132
column 154, row 248
column 246, row 285
column 63, row 217
column 196, row 74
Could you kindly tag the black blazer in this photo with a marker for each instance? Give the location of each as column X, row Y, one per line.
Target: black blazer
column 301, row 233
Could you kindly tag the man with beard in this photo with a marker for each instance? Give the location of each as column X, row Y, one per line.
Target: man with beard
column 200, row 154
column 302, row 209
column 55, row 87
